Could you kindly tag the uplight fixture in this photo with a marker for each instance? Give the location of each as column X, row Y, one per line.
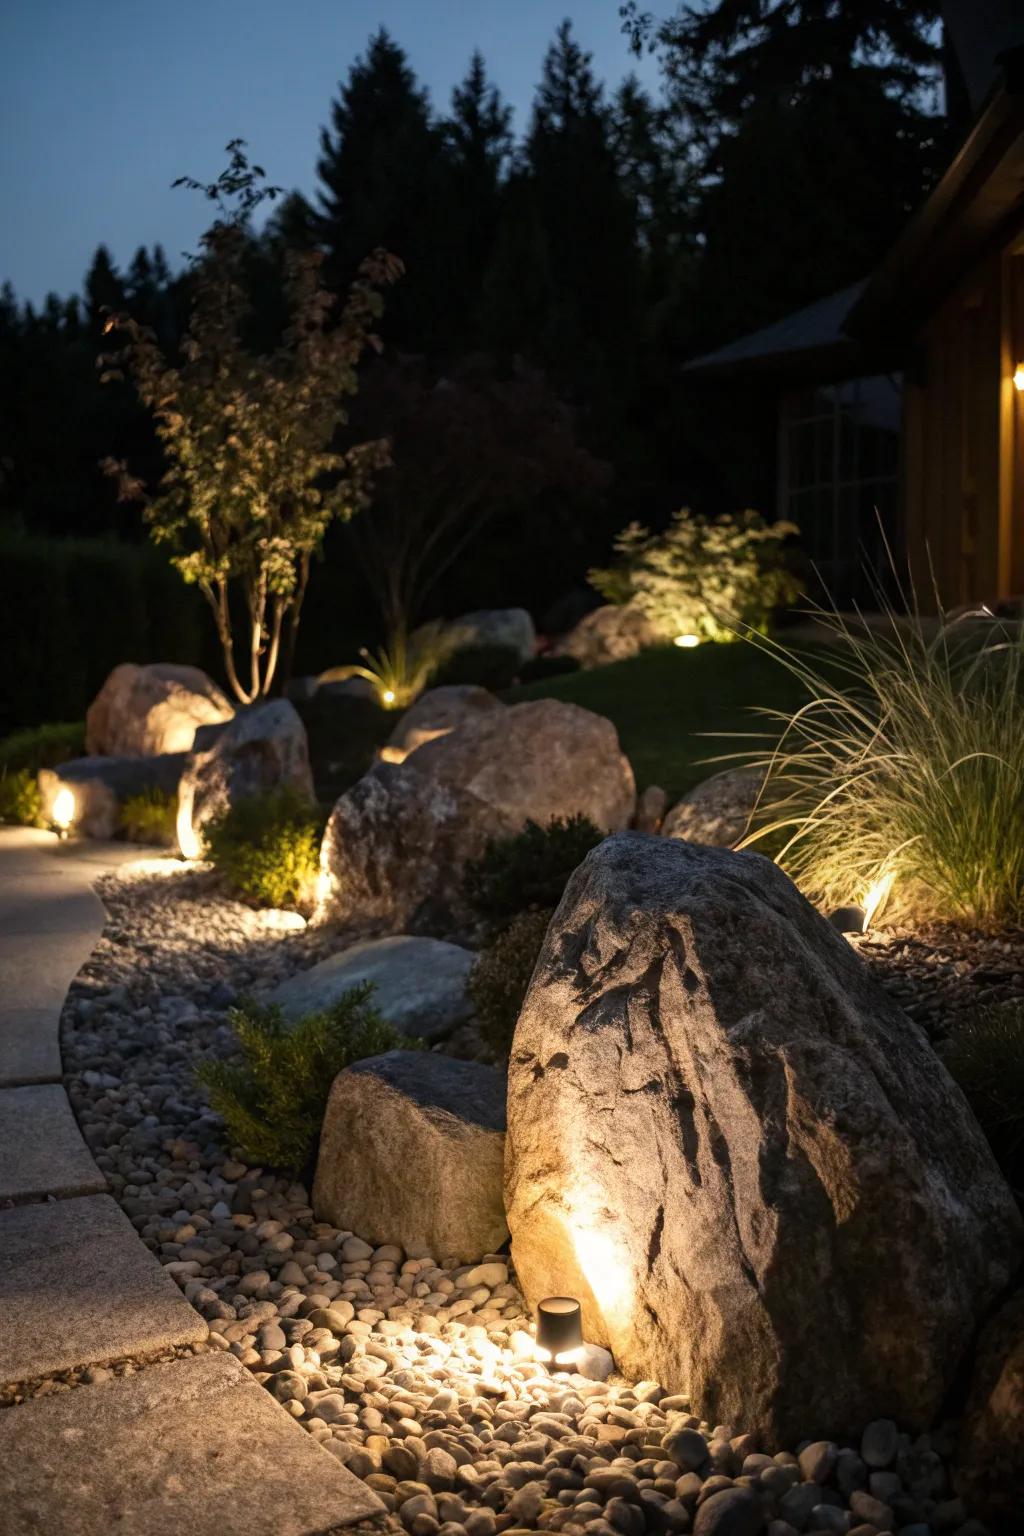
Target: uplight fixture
column 559, row 1330
column 686, row 642
column 388, row 696
column 62, row 812
column 1018, row 378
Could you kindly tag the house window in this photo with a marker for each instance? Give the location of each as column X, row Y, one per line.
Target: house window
column 839, row 479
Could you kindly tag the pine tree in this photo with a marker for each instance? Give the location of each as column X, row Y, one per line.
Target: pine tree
column 478, row 136
column 104, row 289
column 385, row 183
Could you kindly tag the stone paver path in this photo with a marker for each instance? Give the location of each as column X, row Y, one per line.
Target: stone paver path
column 192, row 1444
column 195, row 1446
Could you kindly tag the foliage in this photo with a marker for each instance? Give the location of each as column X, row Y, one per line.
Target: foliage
column 540, row 667
column 150, row 817
column 986, row 1057
column 400, row 670
column 905, row 765
column 501, row 975
column 486, row 665
column 703, row 576
column 253, row 479
column 21, row 804
column 528, row 869
column 42, row 746
column 273, row 1100
column 268, row 847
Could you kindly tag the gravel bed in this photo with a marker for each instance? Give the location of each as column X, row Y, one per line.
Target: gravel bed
column 418, row 1373
column 940, row 975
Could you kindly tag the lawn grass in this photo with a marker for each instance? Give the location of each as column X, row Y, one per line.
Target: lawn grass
column 669, row 706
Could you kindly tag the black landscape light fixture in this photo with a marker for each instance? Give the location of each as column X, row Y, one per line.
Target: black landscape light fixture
column 559, row 1330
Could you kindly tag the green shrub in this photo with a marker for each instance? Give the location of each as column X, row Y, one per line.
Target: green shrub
column 273, row 1100
column 42, row 746
column 986, row 1057
column 705, row 577
column 486, row 666
column 268, row 847
column 499, row 979
column 903, row 769
column 21, row 804
column 529, row 869
column 150, row 817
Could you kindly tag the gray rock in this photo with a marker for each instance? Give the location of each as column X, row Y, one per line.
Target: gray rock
column 717, row 811
column 419, row 983
column 613, row 632
column 398, row 842
column 263, row 748
column 740, row 1155
column 101, row 785
column 650, row 809
column 508, row 627
column 687, row 1448
column 870, row 1510
column 411, row 1153
column 817, row 1461
column 990, row 1456
column 151, row 710
column 879, row 1443
column 732, row 1512
column 434, row 714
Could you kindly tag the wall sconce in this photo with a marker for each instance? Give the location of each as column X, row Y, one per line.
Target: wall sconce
column 62, row 812
column 559, row 1330
column 1018, row 378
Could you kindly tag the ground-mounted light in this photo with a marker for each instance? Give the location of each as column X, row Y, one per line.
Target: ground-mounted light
column 686, row 642
column 1018, row 378
column 388, row 697
column 62, row 811
column 559, row 1330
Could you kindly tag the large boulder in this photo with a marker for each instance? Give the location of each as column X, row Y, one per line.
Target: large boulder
column 263, row 748
column 145, row 711
column 745, row 1160
column 510, row 628
column 614, row 632
column 101, row 785
column 990, row 1470
column 718, row 810
column 398, row 842
column 419, row 984
column 411, row 1153
column 434, row 714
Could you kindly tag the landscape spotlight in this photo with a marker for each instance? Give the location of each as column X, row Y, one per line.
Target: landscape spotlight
column 62, row 812
column 1018, row 378
column 686, row 642
column 559, row 1330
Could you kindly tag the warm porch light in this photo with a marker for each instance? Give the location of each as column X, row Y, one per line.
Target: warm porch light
column 686, row 642
column 559, row 1330
column 62, row 812
column 1018, row 378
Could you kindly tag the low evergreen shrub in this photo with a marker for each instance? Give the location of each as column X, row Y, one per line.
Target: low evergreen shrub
column 43, row 746
column 149, row 817
column 267, row 847
column 529, row 869
column 499, row 979
column 986, row 1057
column 273, row 1099
column 21, row 804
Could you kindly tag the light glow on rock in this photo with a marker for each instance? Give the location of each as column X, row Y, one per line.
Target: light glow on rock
column 188, row 843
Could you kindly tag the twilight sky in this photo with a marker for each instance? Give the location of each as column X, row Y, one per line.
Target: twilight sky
column 104, row 102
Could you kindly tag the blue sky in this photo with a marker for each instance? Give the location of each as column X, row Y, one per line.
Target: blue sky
column 104, row 102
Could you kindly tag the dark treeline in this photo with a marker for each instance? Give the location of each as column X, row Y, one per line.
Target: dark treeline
column 571, row 271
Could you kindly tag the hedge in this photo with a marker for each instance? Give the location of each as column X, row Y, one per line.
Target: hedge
column 72, row 609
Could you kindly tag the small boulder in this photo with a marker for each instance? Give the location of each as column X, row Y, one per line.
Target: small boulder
column 150, row 710
column 990, row 1458
column 434, row 714
column 398, row 842
column 263, row 748
column 742, row 1157
column 511, row 628
column 411, row 1153
column 419, row 984
column 101, row 785
column 614, row 632
column 717, row 811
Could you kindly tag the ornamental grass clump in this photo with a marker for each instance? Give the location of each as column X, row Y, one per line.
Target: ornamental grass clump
column 903, row 773
column 267, row 847
column 274, row 1098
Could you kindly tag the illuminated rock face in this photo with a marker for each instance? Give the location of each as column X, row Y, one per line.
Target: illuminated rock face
column 436, row 713
column 747, row 1163
column 263, row 748
column 145, row 711
column 718, row 810
column 397, row 844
